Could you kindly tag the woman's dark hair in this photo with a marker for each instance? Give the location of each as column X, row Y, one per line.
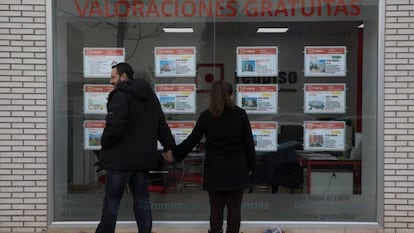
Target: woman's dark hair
column 220, row 94
column 124, row 67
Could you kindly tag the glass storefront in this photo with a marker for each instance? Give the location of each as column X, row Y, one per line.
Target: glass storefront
column 316, row 162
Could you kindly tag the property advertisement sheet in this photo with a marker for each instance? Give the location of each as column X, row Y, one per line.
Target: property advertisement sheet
column 325, row 61
column 92, row 134
column 180, row 130
column 324, row 136
column 95, row 98
column 98, row 62
column 325, row 98
column 264, row 135
column 177, row 98
column 257, row 61
column 258, row 98
column 175, row 61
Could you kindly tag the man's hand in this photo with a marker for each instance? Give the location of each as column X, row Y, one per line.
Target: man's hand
column 168, row 156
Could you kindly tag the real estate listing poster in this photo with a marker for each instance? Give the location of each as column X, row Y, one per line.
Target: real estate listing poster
column 325, row 61
column 98, row 62
column 264, row 135
column 177, row 98
column 175, row 61
column 180, row 130
column 325, row 98
column 324, row 136
column 257, row 61
column 95, row 98
column 92, row 134
column 258, row 98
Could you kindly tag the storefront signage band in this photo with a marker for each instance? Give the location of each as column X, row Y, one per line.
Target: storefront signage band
column 216, row 8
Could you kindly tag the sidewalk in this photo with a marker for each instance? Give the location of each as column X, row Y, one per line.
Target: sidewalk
column 244, row 230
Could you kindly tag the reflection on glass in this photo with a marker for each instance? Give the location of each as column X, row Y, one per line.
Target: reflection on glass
column 288, row 184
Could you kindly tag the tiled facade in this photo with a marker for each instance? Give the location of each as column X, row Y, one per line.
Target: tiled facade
column 23, row 118
column 399, row 117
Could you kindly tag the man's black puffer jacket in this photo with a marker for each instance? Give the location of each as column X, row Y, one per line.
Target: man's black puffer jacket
column 133, row 124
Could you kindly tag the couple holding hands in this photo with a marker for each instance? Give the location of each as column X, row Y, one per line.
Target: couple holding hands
column 135, row 122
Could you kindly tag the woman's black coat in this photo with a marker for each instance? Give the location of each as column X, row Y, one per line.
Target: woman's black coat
column 230, row 153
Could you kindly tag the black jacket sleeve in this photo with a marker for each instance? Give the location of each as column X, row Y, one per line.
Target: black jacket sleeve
column 181, row 151
column 164, row 132
column 116, row 119
column 248, row 143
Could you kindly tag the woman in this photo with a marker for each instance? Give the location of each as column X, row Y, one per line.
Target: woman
column 230, row 155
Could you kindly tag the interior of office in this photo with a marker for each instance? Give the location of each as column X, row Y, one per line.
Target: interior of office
column 288, row 184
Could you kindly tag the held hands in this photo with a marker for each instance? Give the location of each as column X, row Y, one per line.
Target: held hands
column 168, row 156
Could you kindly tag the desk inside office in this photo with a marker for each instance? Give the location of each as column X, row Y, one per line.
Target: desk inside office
column 322, row 164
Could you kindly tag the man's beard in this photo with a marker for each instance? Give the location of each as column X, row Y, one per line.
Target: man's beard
column 121, row 82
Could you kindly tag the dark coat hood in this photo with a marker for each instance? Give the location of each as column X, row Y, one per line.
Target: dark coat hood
column 138, row 88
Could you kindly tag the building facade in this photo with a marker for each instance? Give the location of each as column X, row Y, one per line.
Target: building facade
column 42, row 175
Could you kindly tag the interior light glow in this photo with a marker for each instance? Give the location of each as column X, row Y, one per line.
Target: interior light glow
column 272, row 30
column 178, row 30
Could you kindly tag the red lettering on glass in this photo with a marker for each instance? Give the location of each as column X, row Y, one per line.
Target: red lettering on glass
column 293, row 6
column 281, row 8
column 311, row 8
column 192, row 8
column 107, row 7
column 118, row 8
column 231, row 5
column 319, row 7
column 81, row 12
column 137, row 8
column 206, row 9
column 247, row 8
column 164, row 6
column 266, row 7
column 329, row 6
column 341, row 8
column 152, row 9
column 218, row 8
column 95, row 9
column 355, row 6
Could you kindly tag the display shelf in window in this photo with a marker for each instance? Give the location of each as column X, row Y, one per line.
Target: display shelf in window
column 98, row 62
column 328, row 98
column 175, row 61
column 258, row 61
column 95, row 98
column 177, row 98
column 325, row 61
column 93, row 130
column 264, row 135
column 324, row 135
column 258, row 98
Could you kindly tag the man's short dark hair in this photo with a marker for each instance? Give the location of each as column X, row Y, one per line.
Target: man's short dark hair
column 124, row 67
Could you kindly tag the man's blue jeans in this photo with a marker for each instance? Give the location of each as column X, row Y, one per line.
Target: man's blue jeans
column 116, row 183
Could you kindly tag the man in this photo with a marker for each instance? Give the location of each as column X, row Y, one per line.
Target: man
column 129, row 146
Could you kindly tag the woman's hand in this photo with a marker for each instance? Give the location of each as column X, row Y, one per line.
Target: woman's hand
column 168, row 156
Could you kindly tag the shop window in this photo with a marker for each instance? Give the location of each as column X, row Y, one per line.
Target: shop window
column 319, row 165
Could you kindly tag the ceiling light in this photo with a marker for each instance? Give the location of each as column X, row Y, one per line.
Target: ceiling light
column 361, row 25
column 178, row 30
column 272, row 30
